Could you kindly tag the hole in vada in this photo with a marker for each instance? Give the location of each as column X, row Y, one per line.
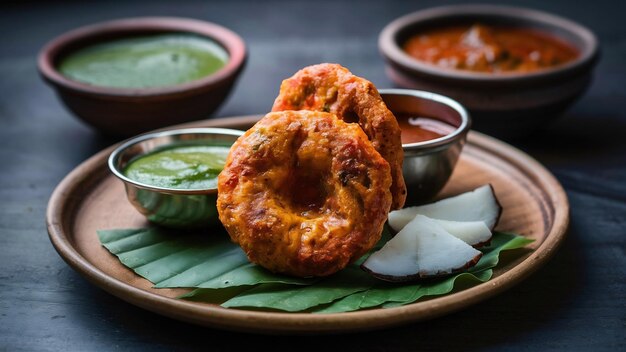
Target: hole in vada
column 306, row 190
column 351, row 117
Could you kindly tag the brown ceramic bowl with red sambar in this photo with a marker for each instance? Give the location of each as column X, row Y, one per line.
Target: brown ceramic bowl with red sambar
column 506, row 104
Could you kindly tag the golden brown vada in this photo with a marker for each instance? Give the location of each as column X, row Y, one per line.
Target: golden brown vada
column 304, row 193
column 332, row 88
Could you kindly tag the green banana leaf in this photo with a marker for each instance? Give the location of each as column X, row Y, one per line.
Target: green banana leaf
column 221, row 273
column 170, row 259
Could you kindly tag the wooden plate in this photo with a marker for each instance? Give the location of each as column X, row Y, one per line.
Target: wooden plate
column 90, row 198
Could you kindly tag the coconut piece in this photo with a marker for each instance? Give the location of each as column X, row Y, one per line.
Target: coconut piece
column 474, row 233
column 480, row 204
column 422, row 249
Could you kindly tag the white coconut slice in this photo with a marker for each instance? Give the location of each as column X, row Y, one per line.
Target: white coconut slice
column 480, row 204
column 423, row 249
column 474, row 233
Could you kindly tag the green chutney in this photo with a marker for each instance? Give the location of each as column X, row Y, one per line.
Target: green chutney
column 180, row 167
column 145, row 62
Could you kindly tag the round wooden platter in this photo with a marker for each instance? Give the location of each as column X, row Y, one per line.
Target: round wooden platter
column 91, row 198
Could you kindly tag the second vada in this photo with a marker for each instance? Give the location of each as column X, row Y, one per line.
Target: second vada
column 333, row 88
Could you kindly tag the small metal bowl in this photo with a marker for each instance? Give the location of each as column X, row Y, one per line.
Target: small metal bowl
column 176, row 208
column 429, row 164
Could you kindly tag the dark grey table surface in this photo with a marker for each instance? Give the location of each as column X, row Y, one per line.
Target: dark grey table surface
column 576, row 302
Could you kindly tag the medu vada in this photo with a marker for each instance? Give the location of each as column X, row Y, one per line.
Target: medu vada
column 304, row 193
column 332, row 88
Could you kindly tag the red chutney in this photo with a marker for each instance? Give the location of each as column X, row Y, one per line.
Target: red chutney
column 490, row 49
column 420, row 129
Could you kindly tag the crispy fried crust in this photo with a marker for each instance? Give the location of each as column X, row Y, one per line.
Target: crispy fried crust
column 304, row 193
column 332, row 88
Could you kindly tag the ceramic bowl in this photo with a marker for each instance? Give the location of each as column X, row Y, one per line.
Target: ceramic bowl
column 125, row 111
column 501, row 104
column 175, row 208
column 428, row 165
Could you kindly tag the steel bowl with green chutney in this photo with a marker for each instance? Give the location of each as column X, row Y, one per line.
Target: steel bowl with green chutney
column 171, row 176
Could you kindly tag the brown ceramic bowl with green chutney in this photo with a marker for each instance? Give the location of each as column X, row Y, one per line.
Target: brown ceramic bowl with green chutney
column 133, row 75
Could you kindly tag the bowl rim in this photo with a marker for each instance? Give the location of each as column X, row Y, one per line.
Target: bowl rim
column 229, row 40
column 392, row 52
column 431, row 144
column 114, row 156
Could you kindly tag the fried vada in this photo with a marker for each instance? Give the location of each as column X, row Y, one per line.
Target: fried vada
column 304, row 193
column 332, row 88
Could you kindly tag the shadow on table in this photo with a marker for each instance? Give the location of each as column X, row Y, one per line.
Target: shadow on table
column 585, row 153
column 576, row 137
